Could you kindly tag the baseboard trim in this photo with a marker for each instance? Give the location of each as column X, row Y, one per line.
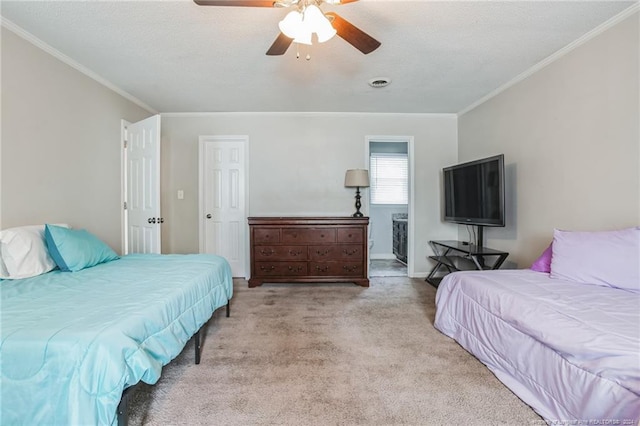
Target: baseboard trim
column 419, row 275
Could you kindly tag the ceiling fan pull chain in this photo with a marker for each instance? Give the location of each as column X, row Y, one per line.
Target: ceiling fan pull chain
column 307, row 57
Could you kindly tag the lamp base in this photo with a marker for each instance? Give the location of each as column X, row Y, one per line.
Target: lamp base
column 358, row 205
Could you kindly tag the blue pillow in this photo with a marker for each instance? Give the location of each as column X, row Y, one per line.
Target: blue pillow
column 76, row 249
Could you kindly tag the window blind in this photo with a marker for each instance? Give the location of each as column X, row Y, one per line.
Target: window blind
column 388, row 178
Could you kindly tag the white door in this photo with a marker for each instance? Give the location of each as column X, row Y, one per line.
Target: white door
column 142, row 177
column 222, row 199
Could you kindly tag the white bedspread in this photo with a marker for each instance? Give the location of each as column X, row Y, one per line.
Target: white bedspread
column 571, row 351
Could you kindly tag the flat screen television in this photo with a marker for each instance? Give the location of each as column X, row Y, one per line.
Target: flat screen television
column 474, row 192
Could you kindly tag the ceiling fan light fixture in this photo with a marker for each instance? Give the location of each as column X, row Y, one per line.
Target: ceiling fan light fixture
column 291, row 25
column 315, row 20
column 283, row 3
column 300, row 26
column 326, row 34
column 303, row 37
column 325, row 30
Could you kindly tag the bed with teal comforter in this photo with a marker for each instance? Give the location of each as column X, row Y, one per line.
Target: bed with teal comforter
column 71, row 342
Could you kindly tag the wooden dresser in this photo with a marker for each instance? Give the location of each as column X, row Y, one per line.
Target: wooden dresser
column 308, row 250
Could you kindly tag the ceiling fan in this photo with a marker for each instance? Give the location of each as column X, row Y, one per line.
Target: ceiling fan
column 337, row 25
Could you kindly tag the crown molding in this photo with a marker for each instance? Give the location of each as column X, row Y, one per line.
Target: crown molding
column 555, row 56
column 304, row 113
column 20, row 32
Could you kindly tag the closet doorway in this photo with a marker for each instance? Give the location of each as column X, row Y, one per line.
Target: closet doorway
column 223, row 199
column 390, row 205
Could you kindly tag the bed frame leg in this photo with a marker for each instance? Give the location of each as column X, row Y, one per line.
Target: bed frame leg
column 123, row 408
column 197, row 346
column 122, row 412
column 197, row 337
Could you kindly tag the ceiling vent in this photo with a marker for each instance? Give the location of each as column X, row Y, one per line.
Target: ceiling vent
column 379, row 82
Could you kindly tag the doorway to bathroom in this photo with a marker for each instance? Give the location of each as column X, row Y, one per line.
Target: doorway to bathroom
column 390, row 205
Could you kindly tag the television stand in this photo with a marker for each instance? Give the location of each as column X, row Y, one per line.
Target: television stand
column 452, row 256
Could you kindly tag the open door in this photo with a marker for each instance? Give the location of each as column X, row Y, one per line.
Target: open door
column 141, row 186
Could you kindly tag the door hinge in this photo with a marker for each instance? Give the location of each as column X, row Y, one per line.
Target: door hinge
column 125, row 205
column 125, row 144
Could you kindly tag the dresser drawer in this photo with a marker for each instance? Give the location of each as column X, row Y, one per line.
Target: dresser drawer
column 280, row 253
column 350, row 235
column 308, row 235
column 330, row 268
column 336, row 252
column 280, row 269
column 266, row 235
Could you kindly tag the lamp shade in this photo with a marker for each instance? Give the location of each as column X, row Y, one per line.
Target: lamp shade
column 318, row 23
column 356, row 178
column 291, row 25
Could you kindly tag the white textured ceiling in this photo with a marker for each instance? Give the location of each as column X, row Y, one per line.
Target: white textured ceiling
column 176, row 56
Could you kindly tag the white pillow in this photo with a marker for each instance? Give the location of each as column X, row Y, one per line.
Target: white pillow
column 609, row 258
column 3, row 270
column 24, row 252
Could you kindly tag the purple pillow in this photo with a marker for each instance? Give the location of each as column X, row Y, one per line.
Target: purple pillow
column 543, row 263
column 608, row 258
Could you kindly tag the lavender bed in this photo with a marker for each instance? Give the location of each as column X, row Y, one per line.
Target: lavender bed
column 569, row 350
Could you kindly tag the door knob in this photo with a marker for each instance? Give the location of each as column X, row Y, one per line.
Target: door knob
column 209, row 216
column 151, row 220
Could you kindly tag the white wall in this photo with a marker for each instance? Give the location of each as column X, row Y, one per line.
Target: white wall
column 60, row 143
column 297, row 166
column 570, row 135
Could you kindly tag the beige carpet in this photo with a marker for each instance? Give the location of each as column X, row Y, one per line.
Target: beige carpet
column 332, row 354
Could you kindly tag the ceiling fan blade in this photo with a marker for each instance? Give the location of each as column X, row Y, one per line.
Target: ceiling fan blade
column 352, row 34
column 237, row 3
column 280, row 45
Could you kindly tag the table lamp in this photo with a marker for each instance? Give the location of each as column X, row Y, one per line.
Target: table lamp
column 357, row 178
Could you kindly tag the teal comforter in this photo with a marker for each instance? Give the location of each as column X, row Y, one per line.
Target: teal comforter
column 71, row 342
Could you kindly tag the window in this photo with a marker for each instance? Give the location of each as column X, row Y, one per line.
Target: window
column 389, row 178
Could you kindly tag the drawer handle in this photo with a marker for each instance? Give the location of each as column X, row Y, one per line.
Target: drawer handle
column 295, row 252
column 296, row 269
column 322, row 268
column 350, row 268
column 267, row 268
column 322, row 252
column 350, row 253
column 266, row 252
